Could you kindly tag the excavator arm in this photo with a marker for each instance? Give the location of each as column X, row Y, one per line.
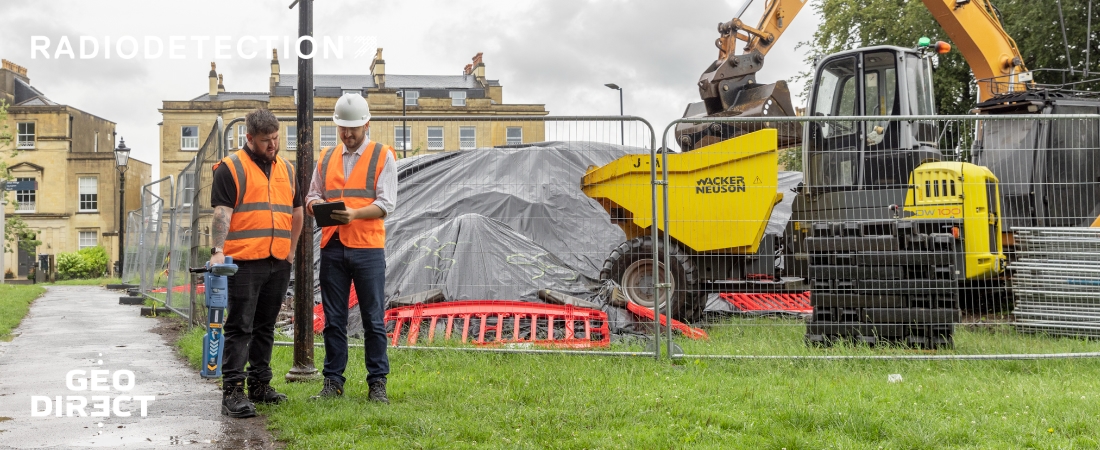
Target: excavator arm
column 721, row 83
column 777, row 15
column 990, row 52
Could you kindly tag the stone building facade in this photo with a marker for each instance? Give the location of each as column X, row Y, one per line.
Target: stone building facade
column 69, row 153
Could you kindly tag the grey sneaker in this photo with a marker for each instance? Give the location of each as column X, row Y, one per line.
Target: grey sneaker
column 378, row 392
column 331, row 389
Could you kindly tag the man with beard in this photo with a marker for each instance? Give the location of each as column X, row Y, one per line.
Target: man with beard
column 257, row 220
column 362, row 174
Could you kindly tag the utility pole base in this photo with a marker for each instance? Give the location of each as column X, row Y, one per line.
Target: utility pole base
column 300, row 374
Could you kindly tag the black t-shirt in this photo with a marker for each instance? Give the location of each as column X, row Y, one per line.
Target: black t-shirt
column 223, row 191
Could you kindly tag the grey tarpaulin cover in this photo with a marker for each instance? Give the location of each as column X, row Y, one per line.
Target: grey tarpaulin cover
column 497, row 223
column 500, row 223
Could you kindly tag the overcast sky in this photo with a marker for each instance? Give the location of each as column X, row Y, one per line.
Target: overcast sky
column 554, row 52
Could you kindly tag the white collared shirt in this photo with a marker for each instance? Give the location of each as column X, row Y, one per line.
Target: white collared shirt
column 385, row 192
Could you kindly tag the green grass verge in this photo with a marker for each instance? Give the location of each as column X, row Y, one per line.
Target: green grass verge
column 15, row 301
column 454, row 399
column 85, row 282
column 778, row 336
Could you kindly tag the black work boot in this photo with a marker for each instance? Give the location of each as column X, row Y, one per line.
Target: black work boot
column 260, row 392
column 331, row 389
column 235, row 404
column 378, row 392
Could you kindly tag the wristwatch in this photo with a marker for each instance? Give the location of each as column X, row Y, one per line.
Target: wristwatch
column 215, row 250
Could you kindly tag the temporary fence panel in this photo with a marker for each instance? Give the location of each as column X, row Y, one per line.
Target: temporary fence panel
column 888, row 233
column 178, row 287
column 496, row 209
column 194, row 215
column 130, row 273
column 154, row 248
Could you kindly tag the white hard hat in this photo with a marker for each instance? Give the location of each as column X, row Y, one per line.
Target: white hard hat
column 351, row 111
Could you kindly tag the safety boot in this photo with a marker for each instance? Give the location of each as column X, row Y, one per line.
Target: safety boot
column 259, row 392
column 377, row 392
column 235, row 404
column 331, row 389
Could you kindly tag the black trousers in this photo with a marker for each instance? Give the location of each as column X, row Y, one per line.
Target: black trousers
column 256, row 293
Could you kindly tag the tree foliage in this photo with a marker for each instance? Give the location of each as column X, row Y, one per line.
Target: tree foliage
column 1034, row 25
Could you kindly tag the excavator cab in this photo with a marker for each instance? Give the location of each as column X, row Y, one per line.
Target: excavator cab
column 877, row 153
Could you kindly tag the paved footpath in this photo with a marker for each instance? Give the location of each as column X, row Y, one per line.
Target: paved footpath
column 84, row 328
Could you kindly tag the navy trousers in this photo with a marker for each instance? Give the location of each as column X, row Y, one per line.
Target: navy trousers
column 340, row 266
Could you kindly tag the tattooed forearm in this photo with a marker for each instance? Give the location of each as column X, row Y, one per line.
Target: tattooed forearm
column 222, row 216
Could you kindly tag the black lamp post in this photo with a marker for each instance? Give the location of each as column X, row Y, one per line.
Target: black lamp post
column 622, row 139
column 122, row 156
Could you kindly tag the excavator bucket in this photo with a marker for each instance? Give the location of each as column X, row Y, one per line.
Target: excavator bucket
column 720, row 196
column 768, row 100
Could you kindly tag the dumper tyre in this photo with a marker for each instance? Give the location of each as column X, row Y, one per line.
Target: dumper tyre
column 631, row 265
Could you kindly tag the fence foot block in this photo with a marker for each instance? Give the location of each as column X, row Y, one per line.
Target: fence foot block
column 131, row 300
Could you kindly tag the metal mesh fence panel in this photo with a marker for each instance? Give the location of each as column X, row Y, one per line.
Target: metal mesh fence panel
column 151, row 248
column 130, row 273
column 178, row 292
column 528, row 209
column 885, row 235
column 193, row 216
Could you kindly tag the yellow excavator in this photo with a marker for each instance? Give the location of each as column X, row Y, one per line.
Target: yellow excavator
column 857, row 209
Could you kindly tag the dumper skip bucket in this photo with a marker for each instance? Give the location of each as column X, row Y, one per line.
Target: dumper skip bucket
column 720, row 196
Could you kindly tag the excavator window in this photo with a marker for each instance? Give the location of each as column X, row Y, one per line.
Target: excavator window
column 836, row 96
column 920, row 86
column 835, row 152
column 880, row 83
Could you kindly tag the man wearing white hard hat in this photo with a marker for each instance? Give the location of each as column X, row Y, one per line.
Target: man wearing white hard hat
column 362, row 174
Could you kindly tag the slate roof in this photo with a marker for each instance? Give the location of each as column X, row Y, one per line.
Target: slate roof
column 27, row 95
column 356, row 83
column 350, row 82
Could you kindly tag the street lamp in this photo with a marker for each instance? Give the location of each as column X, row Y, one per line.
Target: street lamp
column 621, row 125
column 122, row 156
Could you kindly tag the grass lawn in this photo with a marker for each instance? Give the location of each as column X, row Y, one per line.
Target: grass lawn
column 454, row 399
column 15, row 301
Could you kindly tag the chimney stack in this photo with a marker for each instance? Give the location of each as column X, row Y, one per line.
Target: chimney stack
column 213, row 80
column 9, row 71
column 378, row 69
column 275, row 70
column 221, row 85
column 476, row 68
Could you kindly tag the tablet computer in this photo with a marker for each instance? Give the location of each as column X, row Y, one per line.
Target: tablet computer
column 323, row 213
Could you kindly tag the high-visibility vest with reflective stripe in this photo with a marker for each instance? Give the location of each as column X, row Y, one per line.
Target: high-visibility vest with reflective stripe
column 262, row 217
column 358, row 191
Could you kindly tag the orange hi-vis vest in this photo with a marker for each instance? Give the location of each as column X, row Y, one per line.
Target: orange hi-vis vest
column 262, row 217
column 358, row 191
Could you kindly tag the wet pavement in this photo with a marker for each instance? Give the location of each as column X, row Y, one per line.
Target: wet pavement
column 78, row 329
